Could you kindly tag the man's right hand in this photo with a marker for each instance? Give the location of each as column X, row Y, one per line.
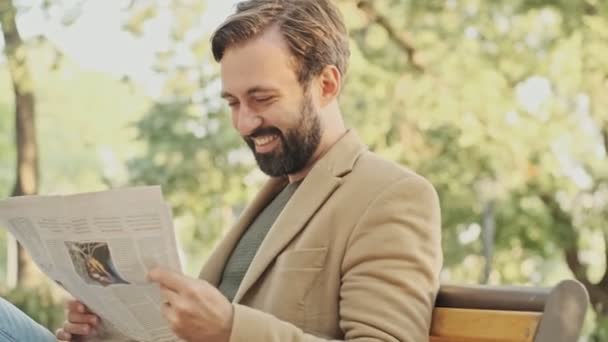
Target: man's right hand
column 80, row 324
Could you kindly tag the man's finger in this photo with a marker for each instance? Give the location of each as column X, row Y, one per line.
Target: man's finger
column 75, row 317
column 169, row 313
column 63, row 335
column 76, row 306
column 77, row 328
column 169, row 296
column 169, row 279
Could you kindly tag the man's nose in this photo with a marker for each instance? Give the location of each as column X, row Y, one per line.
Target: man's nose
column 247, row 121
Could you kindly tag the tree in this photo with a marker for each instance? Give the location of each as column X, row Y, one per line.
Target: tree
column 471, row 87
column 27, row 172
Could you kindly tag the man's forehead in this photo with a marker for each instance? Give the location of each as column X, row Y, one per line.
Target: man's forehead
column 250, row 73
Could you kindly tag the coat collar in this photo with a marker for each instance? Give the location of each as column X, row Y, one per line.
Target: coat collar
column 320, row 183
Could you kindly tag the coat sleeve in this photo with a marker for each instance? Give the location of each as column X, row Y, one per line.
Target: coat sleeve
column 390, row 273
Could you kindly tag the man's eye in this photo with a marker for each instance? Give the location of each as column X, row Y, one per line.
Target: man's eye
column 232, row 104
column 263, row 99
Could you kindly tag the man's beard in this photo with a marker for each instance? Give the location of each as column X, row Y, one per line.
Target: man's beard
column 296, row 146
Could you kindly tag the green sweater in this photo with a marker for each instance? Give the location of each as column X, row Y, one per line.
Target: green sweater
column 250, row 242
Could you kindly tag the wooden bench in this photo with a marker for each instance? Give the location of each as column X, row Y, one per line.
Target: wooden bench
column 509, row 314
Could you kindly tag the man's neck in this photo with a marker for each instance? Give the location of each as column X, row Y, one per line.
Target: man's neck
column 321, row 151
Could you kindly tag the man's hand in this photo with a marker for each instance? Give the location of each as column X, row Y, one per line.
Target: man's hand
column 80, row 324
column 195, row 310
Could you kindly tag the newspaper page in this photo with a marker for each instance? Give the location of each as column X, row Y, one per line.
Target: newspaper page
column 99, row 246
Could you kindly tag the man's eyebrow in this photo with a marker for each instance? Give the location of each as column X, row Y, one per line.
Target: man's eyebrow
column 226, row 95
column 251, row 91
column 260, row 89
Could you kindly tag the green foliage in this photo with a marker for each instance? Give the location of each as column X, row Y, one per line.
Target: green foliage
column 497, row 113
column 199, row 162
column 508, row 106
column 83, row 135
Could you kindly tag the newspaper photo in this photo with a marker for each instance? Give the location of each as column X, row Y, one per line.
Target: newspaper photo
column 99, row 246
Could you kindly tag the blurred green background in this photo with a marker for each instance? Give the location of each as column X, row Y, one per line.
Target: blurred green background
column 503, row 105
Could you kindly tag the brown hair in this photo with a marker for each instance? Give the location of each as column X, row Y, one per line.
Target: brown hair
column 313, row 29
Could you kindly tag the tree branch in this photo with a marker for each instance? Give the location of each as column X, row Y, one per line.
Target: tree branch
column 579, row 270
column 604, row 281
column 576, row 266
column 589, row 8
column 403, row 41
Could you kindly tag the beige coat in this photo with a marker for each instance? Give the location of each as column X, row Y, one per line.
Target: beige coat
column 355, row 255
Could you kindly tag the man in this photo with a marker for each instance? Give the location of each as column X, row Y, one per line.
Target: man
column 339, row 244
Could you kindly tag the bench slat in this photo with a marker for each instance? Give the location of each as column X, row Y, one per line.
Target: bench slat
column 474, row 325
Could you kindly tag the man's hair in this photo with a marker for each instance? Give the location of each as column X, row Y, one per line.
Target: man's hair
column 313, row 29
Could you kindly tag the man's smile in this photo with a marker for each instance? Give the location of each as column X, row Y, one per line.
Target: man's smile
column 265, row 143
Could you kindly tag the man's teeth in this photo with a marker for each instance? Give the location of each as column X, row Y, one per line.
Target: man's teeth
column 264, row 140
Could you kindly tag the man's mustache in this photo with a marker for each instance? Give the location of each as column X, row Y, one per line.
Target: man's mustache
column 264, row 131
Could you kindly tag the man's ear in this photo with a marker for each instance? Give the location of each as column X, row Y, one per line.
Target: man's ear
column 330, row 82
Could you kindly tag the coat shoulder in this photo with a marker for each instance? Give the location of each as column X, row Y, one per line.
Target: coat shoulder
column 372, row 170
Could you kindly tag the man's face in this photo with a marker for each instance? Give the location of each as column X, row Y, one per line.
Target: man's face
column 270, row 109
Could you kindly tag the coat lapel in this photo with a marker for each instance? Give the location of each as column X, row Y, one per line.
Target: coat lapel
column 323, row 179
column 212, row 271
column 300, row 208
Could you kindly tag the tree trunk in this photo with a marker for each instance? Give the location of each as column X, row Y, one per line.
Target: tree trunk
column 27, row 173
column 488, row 229
column 598, row 292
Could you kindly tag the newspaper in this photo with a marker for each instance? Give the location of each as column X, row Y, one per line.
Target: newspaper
column 99, row 246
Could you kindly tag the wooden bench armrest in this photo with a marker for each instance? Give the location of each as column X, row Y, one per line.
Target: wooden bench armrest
column 564, row 313
column 509, row 314
column 475, row 325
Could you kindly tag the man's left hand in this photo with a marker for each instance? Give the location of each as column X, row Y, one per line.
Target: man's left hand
column 196, row 310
